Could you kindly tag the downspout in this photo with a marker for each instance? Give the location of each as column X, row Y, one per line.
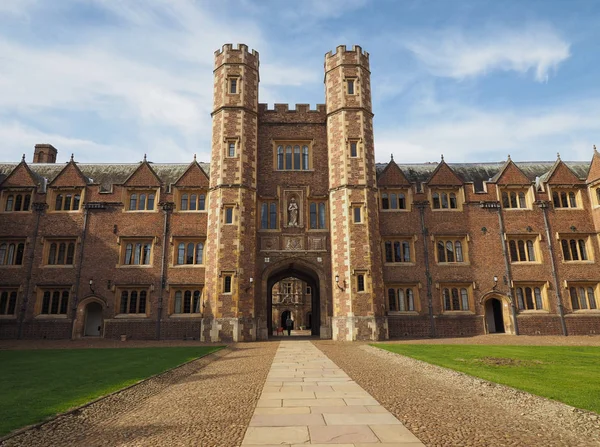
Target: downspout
column 39, row 209
column 167, row 208
column 544, row 206
column 513, row 308
column 79, row 268
column 425, row 232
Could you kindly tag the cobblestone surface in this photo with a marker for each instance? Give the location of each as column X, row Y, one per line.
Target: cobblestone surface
column 446, row 408
column 205, row 402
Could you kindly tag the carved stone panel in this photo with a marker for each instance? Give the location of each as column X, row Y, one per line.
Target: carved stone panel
column 269, row 243
column 316, row 243
column 293, row 243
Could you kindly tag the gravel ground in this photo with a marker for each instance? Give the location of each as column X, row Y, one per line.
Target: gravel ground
column 206, row 402
column 447, row 408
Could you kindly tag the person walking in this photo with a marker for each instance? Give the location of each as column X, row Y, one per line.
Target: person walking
column 288, row 324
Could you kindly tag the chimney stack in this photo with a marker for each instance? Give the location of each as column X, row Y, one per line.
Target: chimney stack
column 44, row 153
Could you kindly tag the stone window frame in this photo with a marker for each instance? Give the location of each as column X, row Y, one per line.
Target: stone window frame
column 52, row 246
column 565, row 196
column 304, row 160
column 9, row 298
column 176, row 241
column 139, row 289
column 224, row 283
column 395, row 287
column 230, row 79
column 354, row 81
column 270, row 203
column 52, row 301
column 354, row 206
column 228, row 142
column 464, row 240
column 459, row 287
column 6, row 254
column 392, row 240
column 573, row 243
column 592, row 301
column 446, row 192
column 358, row 147
column 226, row 207
column 356, row 275
column 76, row 194
column 519, row 291
column 513, row 195
column 124, row 242
column 196, row 307
column 139, row 192
column 198, row 192
column 26, row 202
column 529, row 241
column 407, row 192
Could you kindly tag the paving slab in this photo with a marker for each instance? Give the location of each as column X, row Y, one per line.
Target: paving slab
column 308, row 400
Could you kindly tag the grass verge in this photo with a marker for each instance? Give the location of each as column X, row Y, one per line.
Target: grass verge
column 37, row 384
column 565, row 373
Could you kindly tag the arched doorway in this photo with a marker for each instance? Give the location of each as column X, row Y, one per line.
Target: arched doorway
column 93, row 319
column 494, row 316
column 312, row 281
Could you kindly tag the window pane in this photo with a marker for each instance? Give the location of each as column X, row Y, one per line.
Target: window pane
column 288, row 157
column 529, row 298
column 513, row 200
column 296, row 157
column 58, row 203
column 351, row 87
column 563, row 200
column 360, row 283
column 522, row 256
column 177, row 306
column 389, row 257
column 52, row 254
column 574, row 298
column 187, row 301
column 273, row 216
column 392, row 299
column 264, row 216
column 538, row 298
column 227, row 285
column 142, row 202
column 201, row 204
column 444, row 200
column 46, row 303
column 305, row 158
column 184, row 202
column 450, row 251
column 582, row 300
column 357, row 218
column 313, row 215
column 124, row 299
column 401, row 302
column 401, row 202
column 353, row 149
column 446, row 296
column 233, row 86
column 322, row 215
column 520, row 301
column 464, row 295
column 228, row 215
column 555, row 199
column 11, row 255
column 76, row 199
column 522, row 203
column 133, row 202
column 150, row 202
column 181, row 253
column 64, row 303
column 459, row 253
column 193, row 202
column 231, row 150
column 137, row 254
column 436, row 200
column 441, row 250
column 18, row 202
column 574, row 253
column 591, row 297
column 453, row 203
column 62, row 249
column 133, row 302
column 280, row 157
column 70, row 253
column 200, row 253
column 385, row 203
column 565, row 250
column 455, row 300
column 410, row 300
column 9, row 203
column 397, row 253
column 406, row 251
column 142, row 307
column 582, row 250
column 393, row 201
column 189, row 259
column 55, row 302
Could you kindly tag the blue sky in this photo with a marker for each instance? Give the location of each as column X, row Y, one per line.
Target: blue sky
column 474, row 80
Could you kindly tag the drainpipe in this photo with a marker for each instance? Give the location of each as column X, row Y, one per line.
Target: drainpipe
column 79, row 268
column 39, row 209
column 425, row 232
column 167, row 208
column 513, row 307
column 544, row 206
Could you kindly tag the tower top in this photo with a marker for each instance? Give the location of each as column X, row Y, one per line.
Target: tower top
column 237, row 55
column 343, row 56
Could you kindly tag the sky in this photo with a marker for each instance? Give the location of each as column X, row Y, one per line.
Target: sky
column 475, row 80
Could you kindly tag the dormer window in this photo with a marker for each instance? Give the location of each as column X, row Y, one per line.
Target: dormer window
column 191, row 200
column 565, row 198
column 394, row 200
column 66, row 200
column 14, row 202
column 445, row 199
column 141, row 200
column 515, row 199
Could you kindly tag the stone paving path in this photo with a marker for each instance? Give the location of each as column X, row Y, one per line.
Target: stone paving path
column 308, row 399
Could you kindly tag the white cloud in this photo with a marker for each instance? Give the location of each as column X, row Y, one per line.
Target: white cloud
column 455, row 54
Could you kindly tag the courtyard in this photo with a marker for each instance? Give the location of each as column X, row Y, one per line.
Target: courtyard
column 297, row 391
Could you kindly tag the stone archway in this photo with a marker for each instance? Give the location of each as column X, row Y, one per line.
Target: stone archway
column 312, row 276
column 90, row 318
column 498, row 318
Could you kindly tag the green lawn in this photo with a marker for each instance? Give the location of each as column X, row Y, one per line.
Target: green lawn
column 41, row 383
column 570, row 374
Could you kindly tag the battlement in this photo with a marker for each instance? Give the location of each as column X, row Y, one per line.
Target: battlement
column 342, row 55
column 301, row 113
column 237, row 55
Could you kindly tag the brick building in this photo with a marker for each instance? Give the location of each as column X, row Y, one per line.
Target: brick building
column 152, row 250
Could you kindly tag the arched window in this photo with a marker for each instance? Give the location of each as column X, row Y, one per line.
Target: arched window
column 20, row 251
column 459, row 253
column 441, row 249
column 538, row 298
column 181, row 254
column 201, row 202
column 582, row 300
column 193, row 202
column 147, row 248
column 68, row 201
column 189, row 258
column 410, row 300
column 62, row 250
column 582, row 249
column 305, row 158
column 529, row 298
column 9, row 203
column 565, row 250
column 297, row 157
column 264, row 216
column 142, row 307
column 322, row 223
column 76, row 200
column 128, row 254
column 521, row 246
column 401, row 302
column 513, row 200
column 591, row 297
column 142, row 202
column 392, row 299
column 522, row 202
column 436, row 200
column 385, row 202
column 446, row 297
column 464, row 296
column 555, row 199
column 505, row 201
column 574, row 254
column 133, row 202
column 177, row 304
column 184, row 202
column 70, row 253
column 389, row 254
column 397, row 253
column 288, row 157
column 18, row 202
column 393, row 201
column 280, row 157
column 455, row 299
column 530, row 251
column 58, row 204
column 187, row 301
column 453, row 203
column 150, row 202
column 449, row 251
column 401, row 201
column 574, row 298
column 512, row 247
column 406, row 251
column 563, row 199
column 199, row 253
column 313, row 215
column 52, row 254
column 11, row 254
column 133, row 302
column 27, row 202
column 196, row 304
column 444, row 200
column 520, row 300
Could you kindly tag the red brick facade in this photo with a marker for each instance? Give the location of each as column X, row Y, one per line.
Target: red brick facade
column 154, row 250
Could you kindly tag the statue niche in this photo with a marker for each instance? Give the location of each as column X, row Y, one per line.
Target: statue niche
column 292, row 213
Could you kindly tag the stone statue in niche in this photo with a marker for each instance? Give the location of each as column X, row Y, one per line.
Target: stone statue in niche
column 293, row 213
